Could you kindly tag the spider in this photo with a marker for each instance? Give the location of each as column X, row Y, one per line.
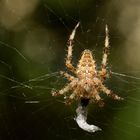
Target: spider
column 88, row 82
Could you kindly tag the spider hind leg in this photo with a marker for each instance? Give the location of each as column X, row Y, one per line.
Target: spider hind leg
column 110, row 93
column 99, row 100
column 62, row 91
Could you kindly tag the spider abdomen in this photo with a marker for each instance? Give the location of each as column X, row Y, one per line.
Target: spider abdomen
column 86, row 67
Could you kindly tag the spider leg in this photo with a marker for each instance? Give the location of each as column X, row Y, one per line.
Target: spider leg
column 110, row 93
column 70, row 98
column 97, row 98
column 70, row 45
column 62, row 91
column 68, row 76
column 65, row 89
column 103, row 72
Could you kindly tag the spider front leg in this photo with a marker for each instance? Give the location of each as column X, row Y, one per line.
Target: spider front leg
column 103, row 73
column 70, row 45
column 110, row 93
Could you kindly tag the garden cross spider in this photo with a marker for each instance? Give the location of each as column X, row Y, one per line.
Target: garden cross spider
column 87, row 83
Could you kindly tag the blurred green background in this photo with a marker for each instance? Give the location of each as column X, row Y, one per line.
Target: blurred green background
column 33, row 44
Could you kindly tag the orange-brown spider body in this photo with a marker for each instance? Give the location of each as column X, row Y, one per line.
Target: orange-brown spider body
column 87, row 83
column 86, row 67
column 86, row 70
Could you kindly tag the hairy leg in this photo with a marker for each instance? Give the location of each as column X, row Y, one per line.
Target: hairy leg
column 68, row 76
column 70, row 98
column 110, row 93
column 103, row 73
column 62, row 91
column 65, row 89
column 70, row 45
column 97, row 98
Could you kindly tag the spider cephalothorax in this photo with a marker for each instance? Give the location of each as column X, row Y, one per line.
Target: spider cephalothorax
column 87, row 83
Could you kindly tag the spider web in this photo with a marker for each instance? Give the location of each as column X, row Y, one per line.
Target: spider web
column 33, row 47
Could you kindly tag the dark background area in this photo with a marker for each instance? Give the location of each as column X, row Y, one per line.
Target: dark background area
column 33, row 44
